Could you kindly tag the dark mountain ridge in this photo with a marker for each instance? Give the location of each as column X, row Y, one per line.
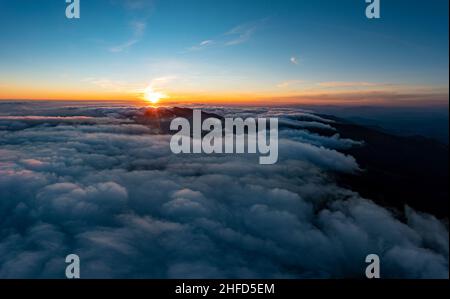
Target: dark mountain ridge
column 398, row 170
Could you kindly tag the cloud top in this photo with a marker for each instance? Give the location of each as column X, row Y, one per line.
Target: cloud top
column 113, row 193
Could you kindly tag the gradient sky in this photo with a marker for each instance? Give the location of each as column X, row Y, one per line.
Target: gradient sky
column 225, row 50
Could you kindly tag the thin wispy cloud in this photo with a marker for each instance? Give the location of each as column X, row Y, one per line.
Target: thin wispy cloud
column 290, row 83
column 138, row 29
column 241, row 34
column 112, row 85
column 340, row 84
column 206, row 42
column 124, row 46
column 157, row 84
column 235, row 36
column 163, row 81
column 202, row 45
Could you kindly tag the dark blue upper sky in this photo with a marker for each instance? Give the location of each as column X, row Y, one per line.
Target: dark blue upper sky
column 256, row 46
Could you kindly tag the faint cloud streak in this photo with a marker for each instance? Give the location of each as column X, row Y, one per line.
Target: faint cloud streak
column 237, row 35
column 138, row 29
column 289, row 83
column 339, row 84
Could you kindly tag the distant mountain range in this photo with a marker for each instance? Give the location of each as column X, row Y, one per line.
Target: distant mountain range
column 429, row 121
column 398, row 170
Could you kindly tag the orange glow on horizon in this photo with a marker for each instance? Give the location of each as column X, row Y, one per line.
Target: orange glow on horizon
column 144, row 97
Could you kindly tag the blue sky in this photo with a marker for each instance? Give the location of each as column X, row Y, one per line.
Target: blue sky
column 200, row 46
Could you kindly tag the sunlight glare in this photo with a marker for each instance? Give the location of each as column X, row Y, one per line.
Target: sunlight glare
column 153, row 96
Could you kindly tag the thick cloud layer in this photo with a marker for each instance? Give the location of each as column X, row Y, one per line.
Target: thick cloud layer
column 95, row 181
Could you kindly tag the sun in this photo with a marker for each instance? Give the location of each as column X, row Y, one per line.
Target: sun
column 153, row 96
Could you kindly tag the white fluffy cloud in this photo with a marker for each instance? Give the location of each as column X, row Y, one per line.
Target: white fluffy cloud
column 113, row 193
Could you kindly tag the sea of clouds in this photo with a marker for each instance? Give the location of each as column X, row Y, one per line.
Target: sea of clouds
column 94, row 180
